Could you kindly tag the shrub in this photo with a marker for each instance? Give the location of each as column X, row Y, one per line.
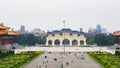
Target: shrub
column 117, row 53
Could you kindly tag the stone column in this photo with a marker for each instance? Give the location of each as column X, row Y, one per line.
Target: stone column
column 85, row 42
column 61, row 42
column 79, row 42
column 46, row 42
column 53, row 44
column 70, row 42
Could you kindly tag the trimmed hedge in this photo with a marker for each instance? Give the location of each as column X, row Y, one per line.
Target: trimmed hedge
column 17, row 60
column 117, row 53
column 4, row 53
column 106, row 60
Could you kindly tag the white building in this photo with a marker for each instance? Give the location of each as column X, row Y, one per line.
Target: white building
column 65, row 37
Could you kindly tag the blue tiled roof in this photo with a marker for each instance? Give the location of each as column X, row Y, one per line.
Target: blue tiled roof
column 75, row 31
column 55, row 31
column 65, row 30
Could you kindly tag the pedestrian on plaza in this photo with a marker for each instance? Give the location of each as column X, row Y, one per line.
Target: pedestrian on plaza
column 39, row 66
column 61, row 65
column 82, row 55
column 45, row 56
column 55, row 59
column 67, row 63
column 43, row 62
column 45, row 66
column 36, row 66
column 82, row 58
column 47, row 61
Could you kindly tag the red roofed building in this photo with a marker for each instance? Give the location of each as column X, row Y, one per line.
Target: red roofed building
column 6, row 36
column 117, row 33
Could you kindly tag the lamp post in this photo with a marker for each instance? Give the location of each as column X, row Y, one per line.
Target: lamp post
column 64, row 36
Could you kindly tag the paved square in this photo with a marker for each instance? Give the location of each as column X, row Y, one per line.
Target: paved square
column 61, row 60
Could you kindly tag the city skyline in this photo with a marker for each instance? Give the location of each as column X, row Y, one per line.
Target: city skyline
column 49, row 14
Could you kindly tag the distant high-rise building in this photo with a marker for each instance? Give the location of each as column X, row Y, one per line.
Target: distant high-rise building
column 22, row 29
column 36, row 32
column 98, row 29
column 104, row 30
column 90, row 30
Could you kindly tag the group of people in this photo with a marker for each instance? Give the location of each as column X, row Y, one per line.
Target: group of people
column 62, row 57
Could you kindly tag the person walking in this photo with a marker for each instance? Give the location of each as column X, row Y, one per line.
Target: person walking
column 61, row 65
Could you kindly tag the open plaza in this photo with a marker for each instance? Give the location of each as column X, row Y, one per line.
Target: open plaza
column 61, row 60
column 64, row 57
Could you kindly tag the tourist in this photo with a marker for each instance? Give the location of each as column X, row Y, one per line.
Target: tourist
column 61, row 65
column 39, row 66
column 45, row 56
column 47, row 61
column 43, row 62
column 55, row 59
column 82, row 58
column 67, row 63
column 36, row 66
column 45, row 66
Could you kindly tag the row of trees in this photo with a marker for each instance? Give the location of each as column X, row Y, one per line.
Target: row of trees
column 99, row 39
column 29, row 39
column 102, row 39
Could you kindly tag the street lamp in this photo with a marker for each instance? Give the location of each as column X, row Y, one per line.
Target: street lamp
column 64, row 36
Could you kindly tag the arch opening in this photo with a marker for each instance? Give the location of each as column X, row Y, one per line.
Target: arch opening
column 74, row 42
column 66, row 42
column 81, row 42
column 50, row 42
column 57, row 42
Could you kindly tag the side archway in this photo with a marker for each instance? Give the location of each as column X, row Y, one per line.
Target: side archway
column 66, row 42
column 57, row 42
column 50, row 42
column 81, row 42
column 74, row 42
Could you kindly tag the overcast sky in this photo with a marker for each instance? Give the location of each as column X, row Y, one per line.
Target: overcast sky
column 49, row 14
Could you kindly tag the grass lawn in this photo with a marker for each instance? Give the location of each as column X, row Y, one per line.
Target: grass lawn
column 105, row 59
column 17, row 60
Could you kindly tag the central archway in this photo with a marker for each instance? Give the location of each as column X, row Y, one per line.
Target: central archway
column 74, row 42
column 66, row 42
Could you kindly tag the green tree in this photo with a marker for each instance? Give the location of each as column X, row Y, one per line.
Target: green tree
column 110, row 40
column 90, row 40
column 20, row 39
column 30, row 39
column 25, row 39
column 103, row 39
column 41, row 39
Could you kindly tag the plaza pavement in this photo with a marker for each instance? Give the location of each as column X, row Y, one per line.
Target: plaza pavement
column 73, row 58
column 67, row 49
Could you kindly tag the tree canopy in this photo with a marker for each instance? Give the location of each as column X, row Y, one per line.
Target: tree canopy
column 29, row 39
column 103, row 39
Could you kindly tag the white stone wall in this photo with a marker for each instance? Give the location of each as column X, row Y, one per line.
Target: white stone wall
column 66, row 35
column 67, row 49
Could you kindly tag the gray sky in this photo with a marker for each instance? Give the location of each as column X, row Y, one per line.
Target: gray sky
column 49, row 14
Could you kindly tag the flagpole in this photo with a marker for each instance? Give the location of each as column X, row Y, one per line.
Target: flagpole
column 64, row 36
